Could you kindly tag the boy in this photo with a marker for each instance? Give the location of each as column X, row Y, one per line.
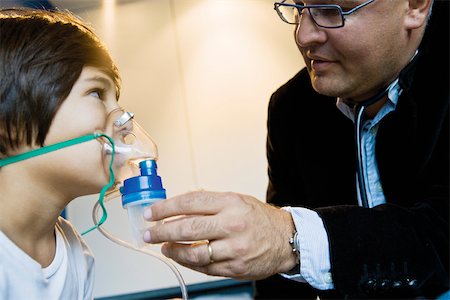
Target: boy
column 57, row 83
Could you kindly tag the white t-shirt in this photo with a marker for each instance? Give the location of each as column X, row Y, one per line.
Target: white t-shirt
column 69, row 276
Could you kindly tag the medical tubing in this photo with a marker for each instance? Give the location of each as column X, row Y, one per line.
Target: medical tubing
column 111, row 182
column 359, row 110
column 143, row 250
column 360, row 168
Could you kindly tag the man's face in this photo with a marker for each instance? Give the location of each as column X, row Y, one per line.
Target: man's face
column 357, row 60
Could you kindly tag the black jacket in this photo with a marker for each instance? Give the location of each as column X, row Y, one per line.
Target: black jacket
column 396, row 250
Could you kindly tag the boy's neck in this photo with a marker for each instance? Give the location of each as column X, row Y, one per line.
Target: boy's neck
column 42, row 249
column 27, row 220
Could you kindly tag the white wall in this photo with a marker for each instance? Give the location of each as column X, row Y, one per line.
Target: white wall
column 198, row 74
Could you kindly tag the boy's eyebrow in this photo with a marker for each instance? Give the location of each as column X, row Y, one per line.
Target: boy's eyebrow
column 100, row 79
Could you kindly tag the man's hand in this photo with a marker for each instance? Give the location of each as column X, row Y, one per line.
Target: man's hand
column 248, row 239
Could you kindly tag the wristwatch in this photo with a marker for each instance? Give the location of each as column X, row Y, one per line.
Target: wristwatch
column 293, row 241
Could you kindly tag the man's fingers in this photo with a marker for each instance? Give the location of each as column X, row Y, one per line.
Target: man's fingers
column 193, row 203
column 197, row 257
column 198, row 254
column 185, row 229
column 195, row 254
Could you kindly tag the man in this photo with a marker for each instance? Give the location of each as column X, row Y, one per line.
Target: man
column 358, row 146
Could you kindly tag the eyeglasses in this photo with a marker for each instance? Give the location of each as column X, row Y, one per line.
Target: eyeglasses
column 323, row 15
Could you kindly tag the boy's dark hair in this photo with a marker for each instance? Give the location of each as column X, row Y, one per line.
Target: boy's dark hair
column 42, row 54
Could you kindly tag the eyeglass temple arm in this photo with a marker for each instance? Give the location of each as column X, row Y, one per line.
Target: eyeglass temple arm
column 345, row 13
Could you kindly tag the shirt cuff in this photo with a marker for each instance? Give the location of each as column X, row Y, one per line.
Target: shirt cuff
column 314, row 250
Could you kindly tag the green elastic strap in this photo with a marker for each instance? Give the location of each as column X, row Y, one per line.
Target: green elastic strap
column 68, row 143
column 47, row 149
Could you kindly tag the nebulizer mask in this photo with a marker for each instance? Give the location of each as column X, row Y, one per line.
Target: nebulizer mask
column 129, row 157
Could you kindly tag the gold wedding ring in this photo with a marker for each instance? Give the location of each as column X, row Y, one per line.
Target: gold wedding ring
column 210, row 252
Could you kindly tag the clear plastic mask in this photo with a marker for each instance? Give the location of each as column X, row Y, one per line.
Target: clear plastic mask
column 132, row 145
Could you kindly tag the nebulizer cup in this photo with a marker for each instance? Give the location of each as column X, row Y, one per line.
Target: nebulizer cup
column 138, row 193
column 137, row 184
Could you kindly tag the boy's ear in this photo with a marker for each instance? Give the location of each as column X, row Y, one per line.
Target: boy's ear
column 418, row 12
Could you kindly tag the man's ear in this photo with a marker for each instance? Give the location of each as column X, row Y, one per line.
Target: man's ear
column 418, row 13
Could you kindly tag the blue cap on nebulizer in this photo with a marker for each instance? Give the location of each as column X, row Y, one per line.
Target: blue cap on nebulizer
column 147, row 186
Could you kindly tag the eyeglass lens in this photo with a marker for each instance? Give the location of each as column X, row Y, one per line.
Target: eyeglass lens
column 322, row 16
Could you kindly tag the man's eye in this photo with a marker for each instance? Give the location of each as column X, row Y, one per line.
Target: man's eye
column 327, row 12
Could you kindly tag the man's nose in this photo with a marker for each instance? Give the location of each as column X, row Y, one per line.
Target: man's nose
column 307, row 32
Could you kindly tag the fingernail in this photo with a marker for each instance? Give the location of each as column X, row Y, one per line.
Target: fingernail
column 147, row 237
column 148, row 214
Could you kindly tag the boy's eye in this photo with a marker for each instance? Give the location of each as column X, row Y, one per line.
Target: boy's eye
column 96, row 93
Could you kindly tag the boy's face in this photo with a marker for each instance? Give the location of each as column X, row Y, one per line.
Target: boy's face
column 80, row 169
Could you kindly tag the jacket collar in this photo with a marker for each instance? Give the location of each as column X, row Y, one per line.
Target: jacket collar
column 406, row 76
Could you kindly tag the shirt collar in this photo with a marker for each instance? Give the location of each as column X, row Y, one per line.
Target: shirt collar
column 394, row 91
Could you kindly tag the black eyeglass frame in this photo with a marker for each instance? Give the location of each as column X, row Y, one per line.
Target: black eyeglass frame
column 302, row 7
